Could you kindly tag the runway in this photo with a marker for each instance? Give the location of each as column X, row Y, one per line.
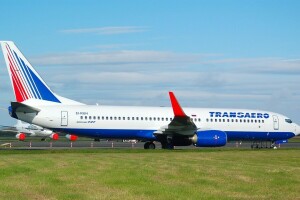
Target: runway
column 113, row 144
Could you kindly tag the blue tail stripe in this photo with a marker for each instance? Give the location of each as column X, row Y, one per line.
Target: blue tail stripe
column 31, row 81
column 44, row 91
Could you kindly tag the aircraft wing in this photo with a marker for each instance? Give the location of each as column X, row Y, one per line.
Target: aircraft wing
column 181, row 123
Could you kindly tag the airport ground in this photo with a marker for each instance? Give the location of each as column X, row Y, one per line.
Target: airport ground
column 35, row 143
column 103, row 173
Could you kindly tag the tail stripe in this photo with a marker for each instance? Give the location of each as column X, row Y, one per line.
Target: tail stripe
column 27, row 82
column 16, row 80
column 14, row 70
column 28, row 78
column 20, row 75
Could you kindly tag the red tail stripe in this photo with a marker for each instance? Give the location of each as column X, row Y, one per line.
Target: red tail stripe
column 17, row 81
column 15, row 70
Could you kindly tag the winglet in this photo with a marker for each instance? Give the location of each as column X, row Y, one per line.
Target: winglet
column 178, row 112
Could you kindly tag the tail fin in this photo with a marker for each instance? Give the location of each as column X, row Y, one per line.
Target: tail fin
column 26, row 82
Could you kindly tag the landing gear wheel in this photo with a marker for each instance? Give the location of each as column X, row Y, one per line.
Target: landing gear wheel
column 167, row 146
column 149, row 145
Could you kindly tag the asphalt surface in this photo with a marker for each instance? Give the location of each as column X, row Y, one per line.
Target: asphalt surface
column 114, row 144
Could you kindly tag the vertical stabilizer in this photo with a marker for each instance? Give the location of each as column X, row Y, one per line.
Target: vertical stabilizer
column 26, row 82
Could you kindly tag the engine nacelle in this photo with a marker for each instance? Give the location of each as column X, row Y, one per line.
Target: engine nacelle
column 71, row 137
column 210, row 138
column 21, row 136
column 54, row 136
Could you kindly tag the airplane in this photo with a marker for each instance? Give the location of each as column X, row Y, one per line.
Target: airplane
column 171, row 126
column 24, row 130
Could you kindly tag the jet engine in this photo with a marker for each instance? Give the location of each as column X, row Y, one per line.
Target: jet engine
column 209, row 138
column 71, row 137
column 54, row 136
column 21, row 136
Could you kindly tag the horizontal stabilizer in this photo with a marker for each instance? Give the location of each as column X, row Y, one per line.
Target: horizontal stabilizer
column 20, row 107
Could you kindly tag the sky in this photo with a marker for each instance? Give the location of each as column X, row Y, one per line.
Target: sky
column 213, row 53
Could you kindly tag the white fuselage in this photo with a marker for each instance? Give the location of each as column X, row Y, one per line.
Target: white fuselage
column 140, row 122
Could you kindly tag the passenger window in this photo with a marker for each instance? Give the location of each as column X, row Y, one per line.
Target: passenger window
column 94, row 117
column 137, row 118
column 85, row 117
column 146, row 118
column 102, row 117
column 124, row 118
column 128, row 118
column 150, row 118
column 106, row 118
column 81, row 117
column 132, row 118
column 119, row 118
column 142, row 118
column 111, row 118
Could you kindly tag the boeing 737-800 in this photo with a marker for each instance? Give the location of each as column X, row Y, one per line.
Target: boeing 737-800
column 203, row 127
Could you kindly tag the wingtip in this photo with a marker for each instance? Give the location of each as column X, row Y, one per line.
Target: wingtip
column 178, row 112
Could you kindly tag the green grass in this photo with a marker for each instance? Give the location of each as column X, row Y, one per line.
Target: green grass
column 158, row 174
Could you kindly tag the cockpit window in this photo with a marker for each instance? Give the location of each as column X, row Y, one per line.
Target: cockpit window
column 288, row 121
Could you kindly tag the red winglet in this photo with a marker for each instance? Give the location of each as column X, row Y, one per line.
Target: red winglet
column 178, row 112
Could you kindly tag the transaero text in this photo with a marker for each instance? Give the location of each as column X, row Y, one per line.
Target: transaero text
column 239, row 115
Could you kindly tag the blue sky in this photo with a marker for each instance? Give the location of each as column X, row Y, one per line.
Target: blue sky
column 235, row 54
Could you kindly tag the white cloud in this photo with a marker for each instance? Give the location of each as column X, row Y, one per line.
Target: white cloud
column 116, row 58
column 261, row 65
column 110, row 30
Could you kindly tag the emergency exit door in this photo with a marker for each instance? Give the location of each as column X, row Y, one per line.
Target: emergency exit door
column 64, row 118
column 275, row 122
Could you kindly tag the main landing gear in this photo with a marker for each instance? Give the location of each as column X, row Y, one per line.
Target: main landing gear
column 149, row 145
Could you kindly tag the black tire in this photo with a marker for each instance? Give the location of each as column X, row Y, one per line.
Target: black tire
column 146, row 145
column 151, row 145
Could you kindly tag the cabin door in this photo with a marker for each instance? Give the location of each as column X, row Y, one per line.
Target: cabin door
column 64, row 118
column 275, row 122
